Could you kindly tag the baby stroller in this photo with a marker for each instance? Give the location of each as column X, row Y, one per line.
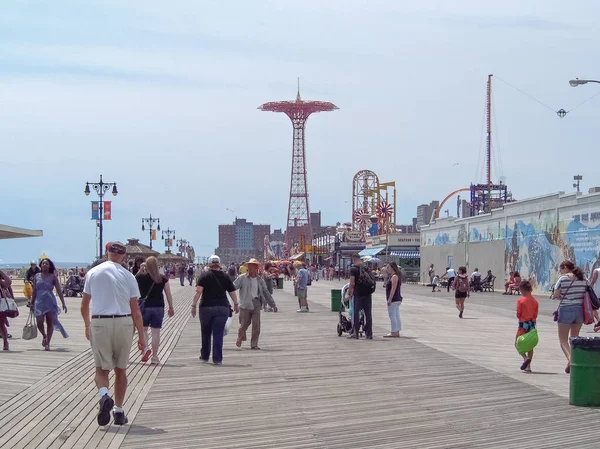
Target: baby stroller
column 74, row 286
column 346, row 310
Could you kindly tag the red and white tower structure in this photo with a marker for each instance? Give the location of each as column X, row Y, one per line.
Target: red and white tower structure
column 299, row 229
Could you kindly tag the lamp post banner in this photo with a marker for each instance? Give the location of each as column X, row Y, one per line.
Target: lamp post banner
column 95, row 210
column 107, row 211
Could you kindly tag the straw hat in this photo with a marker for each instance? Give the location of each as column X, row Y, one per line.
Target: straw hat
column 253, row 261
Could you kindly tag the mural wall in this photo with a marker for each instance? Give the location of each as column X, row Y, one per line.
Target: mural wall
column 534, row 243
column 533, row 247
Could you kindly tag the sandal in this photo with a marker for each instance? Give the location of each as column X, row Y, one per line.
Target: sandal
column 568, row 368
column 238, row 343
column 44, row 342
column 597, row 327
column 5, row 348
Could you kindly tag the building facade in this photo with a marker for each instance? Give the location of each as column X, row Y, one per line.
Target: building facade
column 241, row 241
column 425, row 212
column 531, row 236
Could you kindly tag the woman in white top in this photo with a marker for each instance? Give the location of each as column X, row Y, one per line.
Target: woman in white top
column 569, row 289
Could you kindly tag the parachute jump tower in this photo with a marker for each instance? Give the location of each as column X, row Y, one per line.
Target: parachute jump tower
column 299, row 230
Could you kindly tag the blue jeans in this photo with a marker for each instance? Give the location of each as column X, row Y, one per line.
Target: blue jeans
column 182, row 279
column 212, row 324
column 394, row 313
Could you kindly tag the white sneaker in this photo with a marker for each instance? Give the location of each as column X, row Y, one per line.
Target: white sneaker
column 302, row 310
column 154, row 361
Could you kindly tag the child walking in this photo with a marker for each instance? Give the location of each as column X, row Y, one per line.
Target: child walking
column 435, row 283
column 527, row 312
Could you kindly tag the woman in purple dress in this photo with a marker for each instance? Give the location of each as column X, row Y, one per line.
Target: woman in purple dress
column 44, row 302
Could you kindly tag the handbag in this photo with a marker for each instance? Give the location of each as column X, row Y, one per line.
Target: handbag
column 527, row 342
column 142, row 301
column 588, row 315
column 8, row 306
column 555, row 314
column 593, row 297
column 30, row 329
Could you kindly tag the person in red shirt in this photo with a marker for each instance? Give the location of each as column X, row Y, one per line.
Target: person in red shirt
column 527, row 312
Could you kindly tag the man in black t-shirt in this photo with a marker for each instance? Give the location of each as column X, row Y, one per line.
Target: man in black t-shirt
column 362, row 292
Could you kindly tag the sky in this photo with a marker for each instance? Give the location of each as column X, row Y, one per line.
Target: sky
column 162, row 98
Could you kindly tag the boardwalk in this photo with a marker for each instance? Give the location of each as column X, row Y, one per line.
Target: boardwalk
column 449, row 383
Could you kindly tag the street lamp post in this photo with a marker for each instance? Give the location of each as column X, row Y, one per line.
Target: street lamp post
column 150, row 221
column 182, row 244
column 101, row 188
column 169, row 232
column 577, row 82
column 577, row 179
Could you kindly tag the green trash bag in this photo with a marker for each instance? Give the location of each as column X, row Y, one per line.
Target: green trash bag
column 527, row 342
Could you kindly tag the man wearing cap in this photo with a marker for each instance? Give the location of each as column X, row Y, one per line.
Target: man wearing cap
column 113, row 292
column 253, row 293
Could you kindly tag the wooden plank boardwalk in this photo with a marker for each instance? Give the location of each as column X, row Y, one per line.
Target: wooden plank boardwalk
column 58, row 409
column 306, row 388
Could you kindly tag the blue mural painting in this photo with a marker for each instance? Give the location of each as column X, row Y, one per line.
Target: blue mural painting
column 583, row 245
column 532, row 252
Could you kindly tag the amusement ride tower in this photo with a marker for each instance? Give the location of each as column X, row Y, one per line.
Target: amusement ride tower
column 298, row 221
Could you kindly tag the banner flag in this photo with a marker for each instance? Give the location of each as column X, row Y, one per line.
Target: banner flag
column 95, row 210
column 154, row 234
column 107, row 211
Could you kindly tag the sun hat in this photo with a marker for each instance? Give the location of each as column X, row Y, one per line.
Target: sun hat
column 253, row 261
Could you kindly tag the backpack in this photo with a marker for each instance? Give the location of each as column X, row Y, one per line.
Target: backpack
column 309, row 276
column 366, row 279
column 461, row 284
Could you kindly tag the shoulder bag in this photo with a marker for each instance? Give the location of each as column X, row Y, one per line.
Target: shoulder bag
column 8, row 306
column 142, row 301
column 30, row 329
column 555, row 314
column 592, row 295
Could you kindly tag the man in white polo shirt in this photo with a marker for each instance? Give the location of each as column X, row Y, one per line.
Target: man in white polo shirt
column 113, row 292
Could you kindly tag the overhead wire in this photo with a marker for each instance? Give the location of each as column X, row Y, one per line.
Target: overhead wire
column 525, row 93
column 496, row 134
column 544, row 104
column 479, row 167
column 585, row 101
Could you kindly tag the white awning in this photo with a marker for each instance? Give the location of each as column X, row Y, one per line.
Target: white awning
column 406, row 254
column 10, row 232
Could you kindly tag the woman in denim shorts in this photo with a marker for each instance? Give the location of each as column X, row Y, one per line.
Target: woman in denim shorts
column 569, row 290
column 152, row 284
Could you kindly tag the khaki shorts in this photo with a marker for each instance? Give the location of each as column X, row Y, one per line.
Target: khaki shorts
column 111, row 340
column 302, row 294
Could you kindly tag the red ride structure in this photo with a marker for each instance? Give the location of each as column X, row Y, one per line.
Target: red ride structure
column 299, row 230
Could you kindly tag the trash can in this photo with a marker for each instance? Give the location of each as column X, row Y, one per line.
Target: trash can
column 585, row 372
column 336, row 299
column 280, row 283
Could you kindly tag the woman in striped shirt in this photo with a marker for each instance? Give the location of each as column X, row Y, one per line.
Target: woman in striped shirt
column 569, row 289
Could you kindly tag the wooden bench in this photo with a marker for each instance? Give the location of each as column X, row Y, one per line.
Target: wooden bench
column 489, row 285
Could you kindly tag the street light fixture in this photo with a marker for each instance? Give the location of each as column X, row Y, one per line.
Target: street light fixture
column 577, row 82
column 577, row 179
column 150, row 221
column 168, row 233
column 100, row 188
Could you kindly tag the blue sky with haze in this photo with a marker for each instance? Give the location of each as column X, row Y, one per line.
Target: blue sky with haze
column 162, row 98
